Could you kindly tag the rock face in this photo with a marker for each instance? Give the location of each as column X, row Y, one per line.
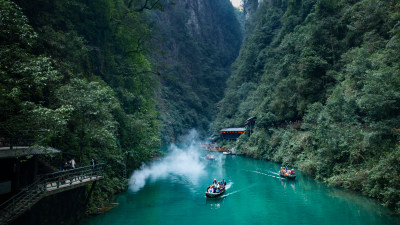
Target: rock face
column 250, row 7
column 200, row 41
column 206, row 21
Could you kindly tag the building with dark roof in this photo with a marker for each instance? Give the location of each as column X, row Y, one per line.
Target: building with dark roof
column 19, row 167
column 232, row 133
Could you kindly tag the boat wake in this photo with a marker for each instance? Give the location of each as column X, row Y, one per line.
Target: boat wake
column 231, row 193
column 228, row 185
column 272, row 172
column 269, row 174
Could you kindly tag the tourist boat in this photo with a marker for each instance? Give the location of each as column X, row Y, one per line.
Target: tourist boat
column 210, row 157
column 215, row 195
column 287, row 176
column 229, row 153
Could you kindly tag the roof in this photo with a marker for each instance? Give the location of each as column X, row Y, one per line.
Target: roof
column 18, row 151
column 239, row 129
column 252, row 118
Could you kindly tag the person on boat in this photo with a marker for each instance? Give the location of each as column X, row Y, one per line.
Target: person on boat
column 211, row 188
column 292, row 172
column 215, row 181
column 284, row 171
column 217, row 185
column 223, row 183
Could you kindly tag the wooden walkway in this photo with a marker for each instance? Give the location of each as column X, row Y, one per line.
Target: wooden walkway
column 213, row 147
column 48, row 184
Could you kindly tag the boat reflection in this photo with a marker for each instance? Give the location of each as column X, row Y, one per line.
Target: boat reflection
column 214, row 203
column 291, row 184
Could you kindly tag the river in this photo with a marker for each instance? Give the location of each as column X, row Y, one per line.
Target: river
column 255, row 195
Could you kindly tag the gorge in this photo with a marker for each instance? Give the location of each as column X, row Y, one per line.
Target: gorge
column 115, row 80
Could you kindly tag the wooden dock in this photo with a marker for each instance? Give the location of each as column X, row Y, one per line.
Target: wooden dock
column 213, row 147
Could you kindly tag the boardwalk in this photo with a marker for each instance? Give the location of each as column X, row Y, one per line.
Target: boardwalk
column 213, row 147
column 45, row 185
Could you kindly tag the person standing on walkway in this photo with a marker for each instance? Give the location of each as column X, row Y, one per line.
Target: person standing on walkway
column 66, row 166
column 73, row 163
column 92, row 163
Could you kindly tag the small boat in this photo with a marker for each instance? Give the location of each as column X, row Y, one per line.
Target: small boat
column 228, row 153
column 215, row 195
column 210, row 157
column 287, row 175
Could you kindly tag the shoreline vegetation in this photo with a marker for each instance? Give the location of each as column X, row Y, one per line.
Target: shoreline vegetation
column 78, row 71
column 334, row 67
column 86, row 74
column 341, row 180
column 104, row 79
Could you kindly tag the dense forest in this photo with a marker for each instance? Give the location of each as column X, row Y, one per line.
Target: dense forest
column 323, row 79
column 113, row 80
column 78, row 72
column 198, row 42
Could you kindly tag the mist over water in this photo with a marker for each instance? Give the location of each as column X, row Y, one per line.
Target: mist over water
column 173, row 189
column 180, row 161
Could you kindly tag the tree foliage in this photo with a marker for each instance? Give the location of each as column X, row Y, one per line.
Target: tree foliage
column 322, row 77
column 78, row 70
column 198, row 42
column 89, row 73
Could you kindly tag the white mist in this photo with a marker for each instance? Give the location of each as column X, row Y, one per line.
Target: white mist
column 180, row 161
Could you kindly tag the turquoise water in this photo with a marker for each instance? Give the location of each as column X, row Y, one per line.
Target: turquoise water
column 255, row 195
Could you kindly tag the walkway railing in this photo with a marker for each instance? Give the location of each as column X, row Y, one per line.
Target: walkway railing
column 45, row 185
column 13, row 138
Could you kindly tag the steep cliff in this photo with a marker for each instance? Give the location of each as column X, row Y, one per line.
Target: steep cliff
column 249, row 8
column 199, row 40
column 322, row 77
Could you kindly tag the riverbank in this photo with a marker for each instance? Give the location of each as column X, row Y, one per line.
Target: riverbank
column 255, row 193
column 373, row 176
